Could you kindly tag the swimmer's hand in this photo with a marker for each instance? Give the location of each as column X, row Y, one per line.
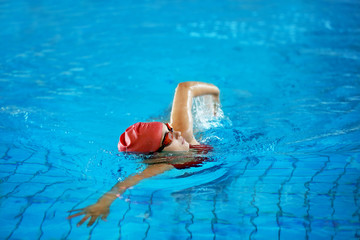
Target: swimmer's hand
column 95, row 211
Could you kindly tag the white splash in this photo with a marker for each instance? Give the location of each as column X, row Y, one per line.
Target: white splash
column 207, row 113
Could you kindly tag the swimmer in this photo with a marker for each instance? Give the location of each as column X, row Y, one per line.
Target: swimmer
column 153, row 138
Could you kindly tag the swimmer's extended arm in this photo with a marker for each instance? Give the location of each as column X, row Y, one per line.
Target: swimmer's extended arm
column 102, row 207
column 181, row 117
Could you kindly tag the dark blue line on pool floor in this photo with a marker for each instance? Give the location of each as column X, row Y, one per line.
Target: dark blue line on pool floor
column 148, row 214
column 75, row 207
column 126, row 212
column 187, row 225
column 332, row 194
column 18, row 164
column 356, row 195
column 252, row 219
column 308, row 222
column 47, row 210
column 214, row 220
column 29, row 203
column 279, row 213
column 29, row 180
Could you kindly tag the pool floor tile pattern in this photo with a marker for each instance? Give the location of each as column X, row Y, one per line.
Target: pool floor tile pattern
column 316, row 197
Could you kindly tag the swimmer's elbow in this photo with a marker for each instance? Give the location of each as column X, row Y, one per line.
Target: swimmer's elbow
column 198, row 88
column 185, row 86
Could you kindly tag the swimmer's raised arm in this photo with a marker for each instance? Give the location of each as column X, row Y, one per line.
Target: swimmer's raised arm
column 181, row 117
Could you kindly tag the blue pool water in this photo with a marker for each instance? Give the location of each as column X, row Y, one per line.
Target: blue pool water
column 75, row 74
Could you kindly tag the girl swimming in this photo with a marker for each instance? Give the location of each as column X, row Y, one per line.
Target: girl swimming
column 153, row 138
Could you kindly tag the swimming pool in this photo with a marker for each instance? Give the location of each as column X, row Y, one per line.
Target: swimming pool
column 74, row 75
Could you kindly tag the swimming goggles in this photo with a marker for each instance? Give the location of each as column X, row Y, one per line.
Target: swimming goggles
column 168, row 138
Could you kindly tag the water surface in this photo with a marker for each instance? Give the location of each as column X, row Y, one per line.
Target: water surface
column 74, row 75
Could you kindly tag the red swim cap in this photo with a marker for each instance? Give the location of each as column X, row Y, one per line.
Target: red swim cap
column 141, row 137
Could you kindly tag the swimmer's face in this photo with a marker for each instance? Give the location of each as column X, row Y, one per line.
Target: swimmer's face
column 178, row 143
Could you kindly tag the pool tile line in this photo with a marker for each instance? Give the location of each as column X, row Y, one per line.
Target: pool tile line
column 93, row 228
column 356, row 195
column 252, row 203
column 17, row 186
column 187, row 225
column 210, row 169
column 343, row 148
column 148, row 214
column 248, row 161
column 307, row 217
column 332, row 193
column 72, row 162
column 128, row 200
column 30, row 179
column 54, row 202
column 76, row 207
column 252, row 218
column 29, row 203
column 18, row 164
column 214, row 220
column 6, row 155
column 279, row 213
column 20, row 215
